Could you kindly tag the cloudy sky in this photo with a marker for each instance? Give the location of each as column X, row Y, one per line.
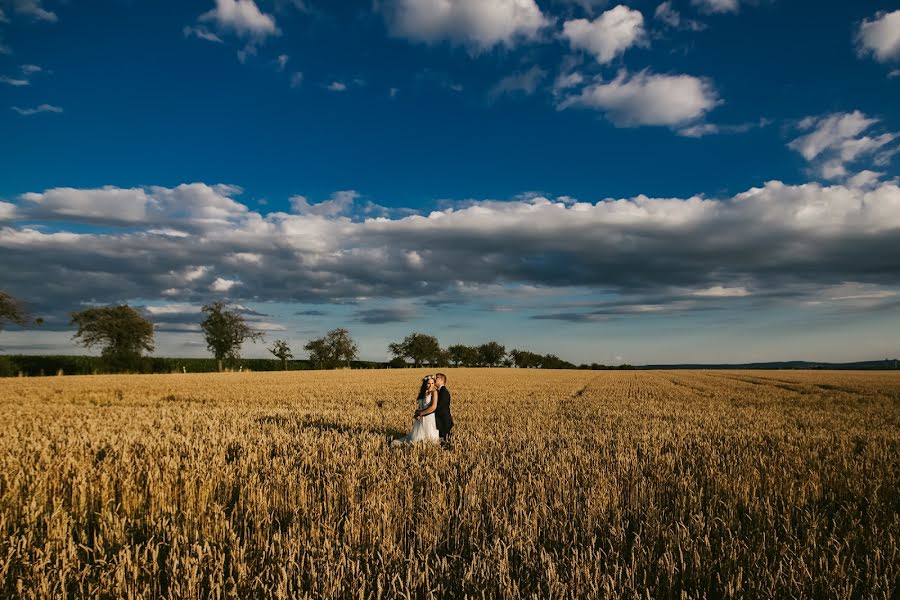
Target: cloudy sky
column 644, row 182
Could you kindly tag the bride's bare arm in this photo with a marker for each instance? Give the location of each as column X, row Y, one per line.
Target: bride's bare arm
column 432, row 406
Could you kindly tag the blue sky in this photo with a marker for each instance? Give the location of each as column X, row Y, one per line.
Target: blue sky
column 692, row 180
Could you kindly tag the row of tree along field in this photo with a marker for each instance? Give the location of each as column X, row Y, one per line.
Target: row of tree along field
column 124, row 336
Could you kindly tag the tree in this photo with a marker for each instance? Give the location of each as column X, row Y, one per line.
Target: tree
column 525, row 359
column 282, row 351
column 419, row 348
column 491, row 354
column 318, row 353
column 225, row 331
column 122, row 331
column 11, row 311
column 335, row 349
column 460, row 354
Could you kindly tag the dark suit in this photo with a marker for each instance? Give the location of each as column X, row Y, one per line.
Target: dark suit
column 442, row 417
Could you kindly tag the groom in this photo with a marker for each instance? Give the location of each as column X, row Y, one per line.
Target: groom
column 442, row 417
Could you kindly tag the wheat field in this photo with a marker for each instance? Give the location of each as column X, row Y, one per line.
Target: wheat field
column 559, row 484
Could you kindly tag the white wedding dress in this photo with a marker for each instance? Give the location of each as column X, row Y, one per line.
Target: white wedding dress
column 423, row 429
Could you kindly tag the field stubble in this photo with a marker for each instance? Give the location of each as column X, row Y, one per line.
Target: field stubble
column 561, row 484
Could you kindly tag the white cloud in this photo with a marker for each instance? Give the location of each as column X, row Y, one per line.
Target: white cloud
column 609, row 35
column 718, row 291
column 565, row 81
column 671, row 17
column 223, row 285
column 296, row 79
column 34, row 9
column 13, row 82
column 194, row 205
column 864, row 179
column 717, row 6
column 703, row 129
column 525, row 82
column 31, row 69
column 648, row 99
column 837, row 140
column 201, row 33
column 242, row 17
column 194, row 273
column 336, row 86
column 36, row 110
column 7, row 211
column 340, row 203
column 282, row 61
column 880, row 36
column 780, row 239
column 107, row 203
column 479, row 24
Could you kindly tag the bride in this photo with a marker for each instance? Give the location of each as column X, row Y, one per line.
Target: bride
column 423, row 428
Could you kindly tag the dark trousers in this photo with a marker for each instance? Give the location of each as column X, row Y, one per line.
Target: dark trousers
column 445, row 436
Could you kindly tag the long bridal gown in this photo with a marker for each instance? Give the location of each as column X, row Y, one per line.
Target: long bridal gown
column 423, row 429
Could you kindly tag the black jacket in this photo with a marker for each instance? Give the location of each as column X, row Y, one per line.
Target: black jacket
column 442, row 417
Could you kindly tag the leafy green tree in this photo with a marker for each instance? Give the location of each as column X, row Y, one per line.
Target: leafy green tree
column 418, row 347
column 318, row 353
column 462, row 355
column 122, row 332
column 282, row 351
column 525, row 359
column 333, row 350
column 225, row 331
column 491, row 354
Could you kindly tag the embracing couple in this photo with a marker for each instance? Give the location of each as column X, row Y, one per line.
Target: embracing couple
column 432, row 420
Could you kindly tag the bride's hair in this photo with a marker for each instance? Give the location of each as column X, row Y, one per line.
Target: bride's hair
column 424, row 388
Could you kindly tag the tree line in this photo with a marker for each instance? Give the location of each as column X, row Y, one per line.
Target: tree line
column 422, row 349
column 124, row 336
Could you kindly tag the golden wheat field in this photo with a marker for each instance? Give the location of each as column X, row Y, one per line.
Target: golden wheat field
column 560, row 484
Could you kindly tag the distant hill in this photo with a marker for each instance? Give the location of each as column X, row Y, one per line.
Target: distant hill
column 867, row 365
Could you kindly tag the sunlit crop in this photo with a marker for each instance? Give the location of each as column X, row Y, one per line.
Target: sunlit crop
column 560, row 484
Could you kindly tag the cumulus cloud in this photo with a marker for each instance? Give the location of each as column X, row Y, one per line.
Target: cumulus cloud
column 837, row 140
column 525, row 83
column 478, row 24
column 194, row 204
column 338, row 204
column 223, row 285
column 717, row 6
column 880, row 37
column 644, row 98
column 42, row 108
column 336, row 86
column 241, row 17
column 653, row 252
column 7, row 211
column 609, row 35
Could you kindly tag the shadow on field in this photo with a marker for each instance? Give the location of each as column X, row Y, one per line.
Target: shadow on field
column 326, row 425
